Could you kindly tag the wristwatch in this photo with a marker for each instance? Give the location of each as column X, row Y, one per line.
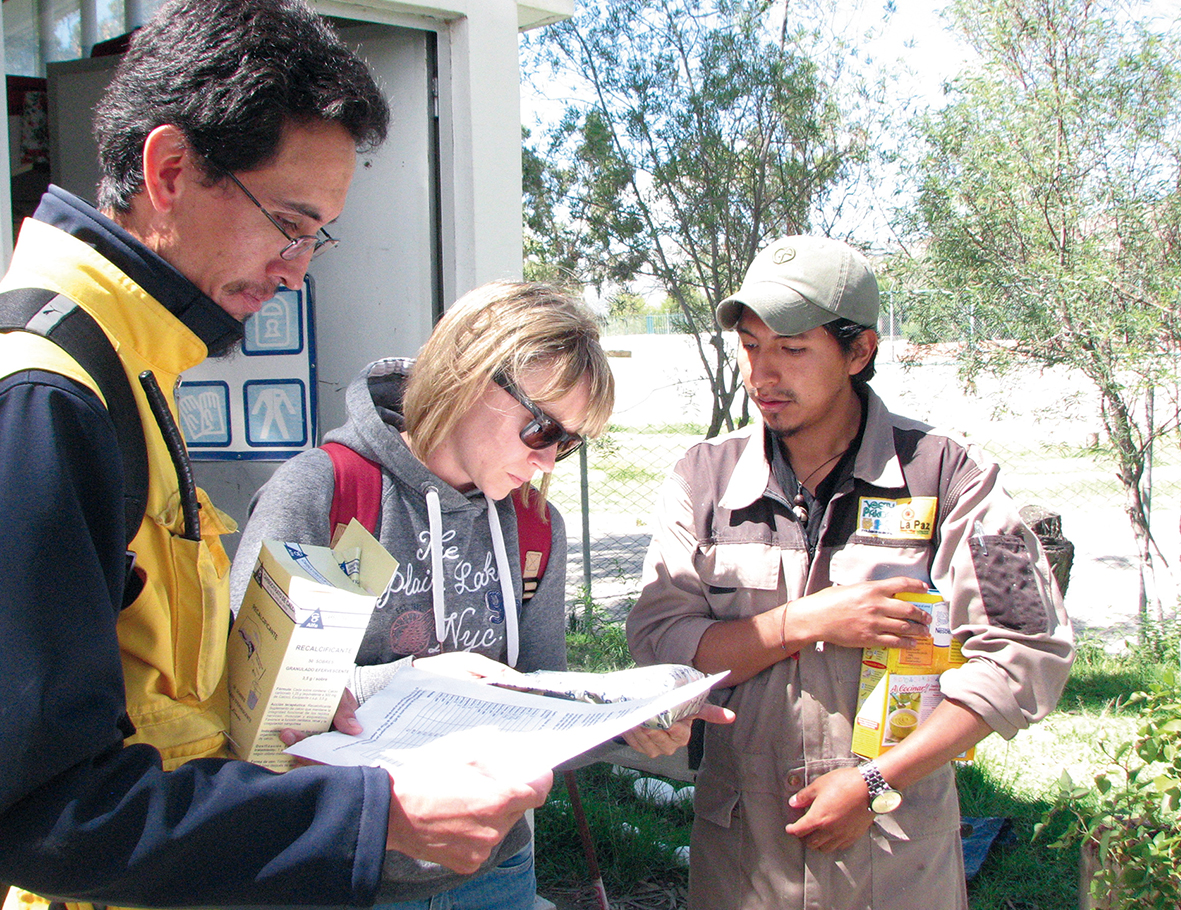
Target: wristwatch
column 882, row 797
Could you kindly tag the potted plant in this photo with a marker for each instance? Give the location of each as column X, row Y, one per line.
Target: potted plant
column 1128, row 824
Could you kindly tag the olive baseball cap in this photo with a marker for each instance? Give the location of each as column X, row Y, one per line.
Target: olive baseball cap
column 798, row 283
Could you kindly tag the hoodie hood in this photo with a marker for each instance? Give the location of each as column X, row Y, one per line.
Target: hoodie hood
column 453, row 525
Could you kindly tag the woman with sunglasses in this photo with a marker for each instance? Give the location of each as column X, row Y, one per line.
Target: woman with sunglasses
column 512, row 379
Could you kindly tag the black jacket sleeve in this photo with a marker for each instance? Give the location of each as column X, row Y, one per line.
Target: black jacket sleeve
column 83, row 816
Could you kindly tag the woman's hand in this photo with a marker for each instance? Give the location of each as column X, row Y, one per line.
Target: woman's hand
column 344, row 720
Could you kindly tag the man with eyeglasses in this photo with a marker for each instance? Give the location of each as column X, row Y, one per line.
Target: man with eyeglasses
column 228, row 140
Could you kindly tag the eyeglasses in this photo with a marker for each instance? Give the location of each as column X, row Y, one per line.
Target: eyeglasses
column 542, row 431
column 296, row 246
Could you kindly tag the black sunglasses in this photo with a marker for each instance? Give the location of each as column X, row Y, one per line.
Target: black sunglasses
column 542, row 431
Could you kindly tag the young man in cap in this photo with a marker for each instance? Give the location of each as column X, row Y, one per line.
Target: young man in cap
column 778, row 554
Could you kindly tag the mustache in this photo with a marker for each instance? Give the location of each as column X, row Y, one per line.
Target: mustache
column 262, row 291
column 777, row 395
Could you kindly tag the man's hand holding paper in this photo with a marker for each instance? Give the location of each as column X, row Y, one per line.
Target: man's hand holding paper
column 460, row 831
column 655, row 743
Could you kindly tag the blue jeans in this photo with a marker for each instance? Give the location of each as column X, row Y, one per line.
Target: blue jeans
column 510, row 886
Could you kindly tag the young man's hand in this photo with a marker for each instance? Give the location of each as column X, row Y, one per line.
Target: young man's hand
column 836, row 811
column 655, row 743
column 860, row 615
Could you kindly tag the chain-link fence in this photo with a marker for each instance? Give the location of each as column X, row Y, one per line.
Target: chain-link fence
column 1042, row 426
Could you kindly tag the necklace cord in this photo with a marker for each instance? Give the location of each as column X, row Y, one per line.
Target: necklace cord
column 799, row 505
column 823, row 464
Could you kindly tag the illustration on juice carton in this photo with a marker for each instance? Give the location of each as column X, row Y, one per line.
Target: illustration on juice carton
column 899, row 687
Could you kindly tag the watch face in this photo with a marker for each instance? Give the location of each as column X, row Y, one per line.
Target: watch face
column 886, row 802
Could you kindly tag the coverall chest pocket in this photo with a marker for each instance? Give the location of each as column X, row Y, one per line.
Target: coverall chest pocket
column 858, row 562
column 741, row 579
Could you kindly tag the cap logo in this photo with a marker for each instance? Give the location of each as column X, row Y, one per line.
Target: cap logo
column 783, row 254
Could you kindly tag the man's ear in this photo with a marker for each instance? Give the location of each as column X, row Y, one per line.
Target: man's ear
column 862, row 351
column 168, row 165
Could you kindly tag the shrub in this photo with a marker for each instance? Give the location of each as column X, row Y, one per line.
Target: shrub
column 1130, row 819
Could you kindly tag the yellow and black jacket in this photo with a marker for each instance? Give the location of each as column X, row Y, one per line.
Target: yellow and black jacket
column 105, row 709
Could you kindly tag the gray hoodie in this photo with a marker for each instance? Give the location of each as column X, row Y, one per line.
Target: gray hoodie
column 467, row 606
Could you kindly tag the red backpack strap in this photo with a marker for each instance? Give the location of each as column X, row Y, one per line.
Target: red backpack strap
column 534, row 538
column 356, row 491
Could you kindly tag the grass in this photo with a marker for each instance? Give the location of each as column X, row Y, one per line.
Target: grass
column 594, row 644
column 1017, row 780
column 634, row 840
column 696, row 430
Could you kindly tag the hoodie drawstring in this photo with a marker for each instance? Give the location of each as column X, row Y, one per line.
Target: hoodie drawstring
column 435, row 522
column 506, row 584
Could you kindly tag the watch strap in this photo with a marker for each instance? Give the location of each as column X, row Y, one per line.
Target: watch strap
column 882, row 797
column 873, row 779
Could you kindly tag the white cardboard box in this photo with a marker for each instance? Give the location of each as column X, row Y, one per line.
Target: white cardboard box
column 296, row 637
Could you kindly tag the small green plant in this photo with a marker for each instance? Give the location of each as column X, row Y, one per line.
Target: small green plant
column 1130, row 819
column 1160, row 642
column 594, row 643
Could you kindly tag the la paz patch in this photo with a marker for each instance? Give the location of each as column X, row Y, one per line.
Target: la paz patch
column 908, row 519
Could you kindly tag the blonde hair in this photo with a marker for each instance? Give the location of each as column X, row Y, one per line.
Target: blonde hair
column 505, row 328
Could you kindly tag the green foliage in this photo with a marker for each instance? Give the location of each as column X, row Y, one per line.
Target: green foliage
column 1019, row 872
column 594, row 643
column 634, row 840
column 1049, row 211
column 551, row 248
column 696, row 133
column 622, row 304
column 1160, row 643
column 1048, row 192
column 663, row 429
column 1130, row 815
column 1100, row 679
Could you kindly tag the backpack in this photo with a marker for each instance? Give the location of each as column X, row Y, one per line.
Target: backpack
column 357, row 494
column 59, row 319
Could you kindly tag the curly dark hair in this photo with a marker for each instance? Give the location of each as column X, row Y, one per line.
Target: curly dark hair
column 230, row 74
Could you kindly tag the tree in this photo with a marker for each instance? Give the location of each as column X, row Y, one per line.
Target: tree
column 1049, row 211
column 702, row 134
column 622, row 304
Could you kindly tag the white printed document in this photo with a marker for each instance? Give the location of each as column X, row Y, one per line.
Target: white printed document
column 423, row 716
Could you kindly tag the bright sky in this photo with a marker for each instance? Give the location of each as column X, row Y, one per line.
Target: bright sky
column 935, row 52
column 915, row 34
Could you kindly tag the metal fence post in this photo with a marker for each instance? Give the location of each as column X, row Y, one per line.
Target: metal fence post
column 584, row 484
